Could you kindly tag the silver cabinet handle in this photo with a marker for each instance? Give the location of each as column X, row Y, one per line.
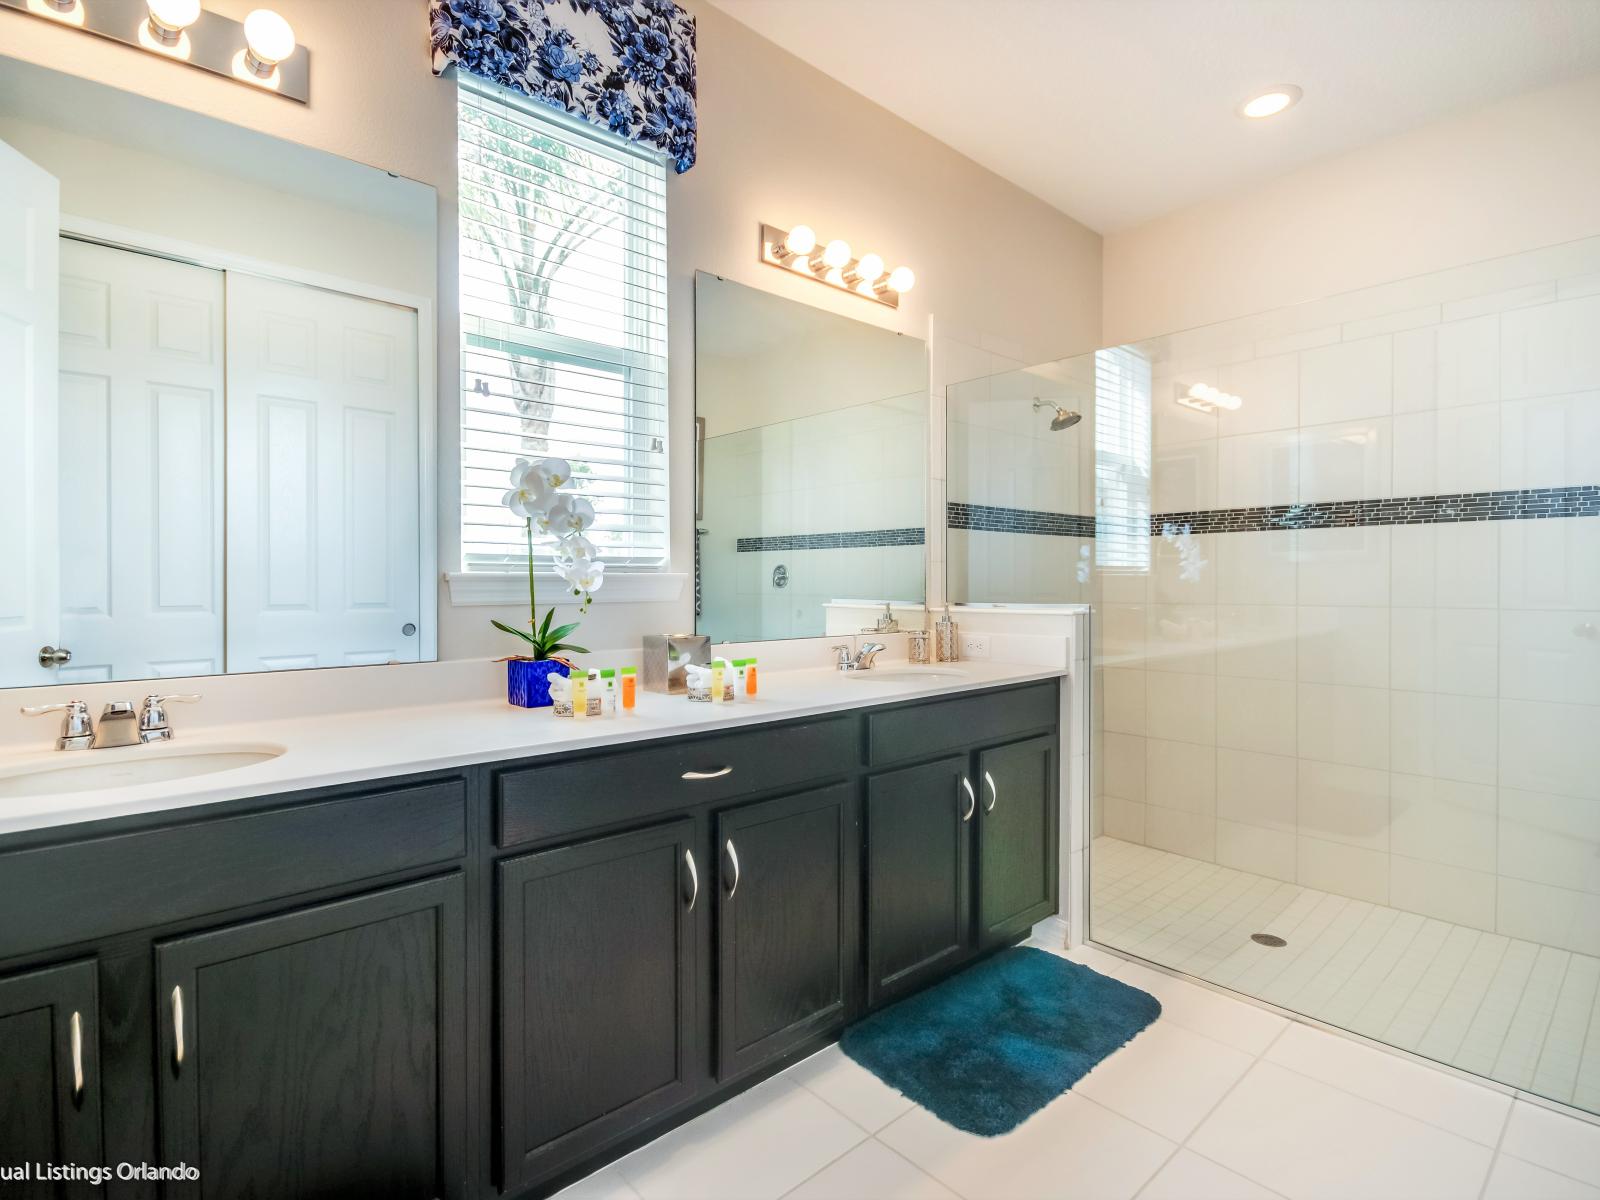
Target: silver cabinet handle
column 77, row 1057
column 694, row 878
column 994, row 793
column 733, row 861
column 177, row 1025
column 717, row 774
column 972, row 800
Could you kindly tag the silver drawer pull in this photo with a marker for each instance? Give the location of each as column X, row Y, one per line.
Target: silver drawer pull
column 972, row 800
column 77, row 1057
column 994, row 793
column 177, row 1025
column 694, row 878
column 733, row 861
column 717, row 774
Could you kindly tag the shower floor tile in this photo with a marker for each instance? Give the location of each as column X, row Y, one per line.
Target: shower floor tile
column 1515, row 1011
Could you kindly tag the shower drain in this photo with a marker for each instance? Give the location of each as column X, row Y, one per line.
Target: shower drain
column 1268, row 939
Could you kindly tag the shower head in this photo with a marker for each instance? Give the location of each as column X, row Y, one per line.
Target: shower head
column 1062, row 418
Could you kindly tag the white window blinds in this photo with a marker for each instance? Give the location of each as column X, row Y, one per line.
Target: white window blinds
column 1122, row 459
column 564, row 325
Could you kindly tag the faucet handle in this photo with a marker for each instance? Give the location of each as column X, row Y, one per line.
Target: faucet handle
column 153, row 725
column 842, row 652
column 77, row 727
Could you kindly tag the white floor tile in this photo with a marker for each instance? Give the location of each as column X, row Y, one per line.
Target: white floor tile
column 1071, row 1150
column 1309, row 1141
column 1202, row 1010
column 1513, row 1179
column 871, row 1171
column 1190, row 1177
column 602, row 1185
column 1554, row 1140
column 851, row 1088
column 759, row 1144
column 1458, row 1105
column 1167, row 1078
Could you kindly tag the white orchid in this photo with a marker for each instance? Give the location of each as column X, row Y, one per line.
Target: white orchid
column 577, row 516
column 536, row 498
column 529, row 494
column 583, row 573
column 556, row 472
column 552, row 519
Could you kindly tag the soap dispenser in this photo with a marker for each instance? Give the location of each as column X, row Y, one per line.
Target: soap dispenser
column 948, row 646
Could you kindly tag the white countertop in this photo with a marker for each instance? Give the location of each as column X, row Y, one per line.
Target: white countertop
column 351, row 747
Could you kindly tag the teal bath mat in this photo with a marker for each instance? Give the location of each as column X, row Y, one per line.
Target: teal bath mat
column 988, row 1048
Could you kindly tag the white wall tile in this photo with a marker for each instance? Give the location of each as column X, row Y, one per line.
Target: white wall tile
column 1344, row 725
column 1256, row 714
column 1343, row 870
column 1122, row 766
column 1343, row 566
column 1344, row 804
column 1123, row 696
column 1193, row 835
column 1550, row 564
column 1550, row 839
column 1444, row 821
column 1550, row 748
column 1446, row 893
column 1469, row 361
column 1465, row 563
column 1259, row 790
column 1449, row 737
column 1182, row 637
column 1550, row 655
column 1270, row 389
column 1123, row 819
column 1551, row 349
column 1349, row 461
column 1181, row 707
column 1122, row 631
column 1256, row 568
column 1448, row 450
column 1260, row 851
column 1538, row 912
column 1183, row 569
column 1412, row 555
column 1550, row 441
column 1257, row 469
column 1416, row 363
column 1180, row 775
column 1183, row 476
column 1345, row 381
column 1347, row 644
column 1256, row 640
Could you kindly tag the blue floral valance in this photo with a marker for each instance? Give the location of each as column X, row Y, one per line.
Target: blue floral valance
column 625, row 65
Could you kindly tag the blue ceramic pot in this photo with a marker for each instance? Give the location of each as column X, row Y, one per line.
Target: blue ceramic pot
column 528, row 681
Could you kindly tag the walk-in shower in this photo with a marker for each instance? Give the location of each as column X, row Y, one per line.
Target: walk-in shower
column 1346, row 678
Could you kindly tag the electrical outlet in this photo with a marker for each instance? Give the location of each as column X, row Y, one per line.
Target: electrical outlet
column 974, row 645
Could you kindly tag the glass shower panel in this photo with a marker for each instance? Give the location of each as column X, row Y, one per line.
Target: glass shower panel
column 1345, row 712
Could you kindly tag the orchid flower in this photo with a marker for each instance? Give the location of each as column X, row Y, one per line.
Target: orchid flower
column 536, row 498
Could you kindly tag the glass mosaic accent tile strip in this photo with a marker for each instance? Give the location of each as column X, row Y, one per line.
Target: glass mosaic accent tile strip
column 988, row 518
column 846, row 540
column 1522, row 504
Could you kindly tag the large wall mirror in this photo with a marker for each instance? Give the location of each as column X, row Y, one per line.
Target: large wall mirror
column 216, row 395
column 811, row 506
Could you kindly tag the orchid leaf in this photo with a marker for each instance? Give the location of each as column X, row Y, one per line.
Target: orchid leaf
column 564, row 646
column 555, row 635
column 526, row 636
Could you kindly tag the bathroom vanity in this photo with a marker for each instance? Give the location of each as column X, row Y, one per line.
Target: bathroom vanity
column 489, row 978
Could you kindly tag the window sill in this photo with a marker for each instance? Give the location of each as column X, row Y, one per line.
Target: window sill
column 486, row 588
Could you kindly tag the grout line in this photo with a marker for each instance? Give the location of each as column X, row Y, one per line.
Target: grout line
column 1498, row 1142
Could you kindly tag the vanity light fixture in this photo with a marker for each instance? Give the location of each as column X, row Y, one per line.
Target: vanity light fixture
column 261, row 50
column 1271, row 102
column 1202, row 397
column 834, row 263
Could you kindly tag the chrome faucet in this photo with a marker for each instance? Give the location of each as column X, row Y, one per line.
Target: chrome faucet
column 863, row 659
column 119, row 725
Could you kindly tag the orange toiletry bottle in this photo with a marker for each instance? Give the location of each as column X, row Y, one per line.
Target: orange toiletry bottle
column 630, row 688
column 749, row 677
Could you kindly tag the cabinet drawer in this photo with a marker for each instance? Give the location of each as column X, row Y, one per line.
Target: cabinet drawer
column 538, row 803
column 59, row 895
column 927, row 730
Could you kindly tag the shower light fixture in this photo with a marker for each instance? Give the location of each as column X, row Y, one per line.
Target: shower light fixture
column 1271, row 102
column 833, row 263
column 1202, row 397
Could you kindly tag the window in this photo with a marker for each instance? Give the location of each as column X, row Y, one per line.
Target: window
column 1122, row 459
column 563, row 325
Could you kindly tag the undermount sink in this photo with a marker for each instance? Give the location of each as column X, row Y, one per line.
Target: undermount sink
column 911, row 674
column 65, row 771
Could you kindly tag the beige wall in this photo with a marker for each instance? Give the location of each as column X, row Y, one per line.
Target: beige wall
column 1499, row 180
column 779, row 142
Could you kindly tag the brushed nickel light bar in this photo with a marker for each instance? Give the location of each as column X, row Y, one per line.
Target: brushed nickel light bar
column 797, row 250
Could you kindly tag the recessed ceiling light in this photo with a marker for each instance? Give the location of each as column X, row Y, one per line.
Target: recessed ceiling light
column 1271, row 102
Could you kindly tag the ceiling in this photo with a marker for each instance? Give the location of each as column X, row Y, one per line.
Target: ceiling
column 1117, row 111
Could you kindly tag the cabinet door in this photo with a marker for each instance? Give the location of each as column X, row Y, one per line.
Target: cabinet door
column 597, row 992
column 1016, row 838
column 50, row 1075
column 919, row 903
column 788, row 918
column 320, row 1052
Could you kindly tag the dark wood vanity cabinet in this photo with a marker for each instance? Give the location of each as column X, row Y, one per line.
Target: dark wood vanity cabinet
column 483, row 983
column 50, row 1074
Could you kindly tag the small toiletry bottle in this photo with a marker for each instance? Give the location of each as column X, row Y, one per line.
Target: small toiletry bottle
column 630, row 688
column 749, row 677
column 697, row 682
column 719, row 677
column 561, row 695
column 580, row 695
column 608, row 695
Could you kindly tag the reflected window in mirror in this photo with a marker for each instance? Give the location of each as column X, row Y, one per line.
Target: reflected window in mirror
column 564, row 327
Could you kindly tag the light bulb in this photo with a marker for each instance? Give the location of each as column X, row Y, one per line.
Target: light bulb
column 836, row 254
column 869, row 268
column 902, row 279
column 169, row 18
column 802, row 240
column 268, row 41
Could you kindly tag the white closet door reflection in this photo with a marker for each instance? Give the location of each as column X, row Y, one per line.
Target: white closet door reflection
column 141, row 465
column 28, row 533
column 322, row 466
